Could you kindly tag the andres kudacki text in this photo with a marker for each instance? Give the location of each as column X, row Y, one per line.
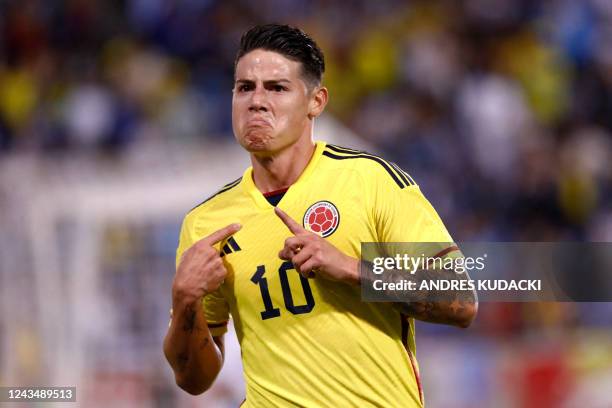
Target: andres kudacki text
column 459, row 265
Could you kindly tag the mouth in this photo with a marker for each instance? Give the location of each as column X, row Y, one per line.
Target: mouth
column 258, row 122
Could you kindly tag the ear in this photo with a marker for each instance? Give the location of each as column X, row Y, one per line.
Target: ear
column 318, row 101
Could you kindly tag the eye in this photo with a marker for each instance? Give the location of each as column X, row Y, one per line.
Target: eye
column 244, row 88
column 279, row 88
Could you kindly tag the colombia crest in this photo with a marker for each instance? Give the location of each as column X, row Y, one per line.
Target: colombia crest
column 322, row 218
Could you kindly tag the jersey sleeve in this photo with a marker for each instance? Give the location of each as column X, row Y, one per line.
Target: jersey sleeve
column 185, row 241
column 216, row 309
column 407, row 216
column 404, row 215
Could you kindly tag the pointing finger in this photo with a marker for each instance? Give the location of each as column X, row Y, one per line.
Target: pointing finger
column 221, row 234
column 293, row 226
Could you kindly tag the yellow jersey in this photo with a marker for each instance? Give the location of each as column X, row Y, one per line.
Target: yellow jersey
column 314, row 342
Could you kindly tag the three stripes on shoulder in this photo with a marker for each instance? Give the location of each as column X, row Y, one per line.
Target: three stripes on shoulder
column 401, row 178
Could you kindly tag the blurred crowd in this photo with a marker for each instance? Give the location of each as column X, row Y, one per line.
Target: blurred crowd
column 500, row 110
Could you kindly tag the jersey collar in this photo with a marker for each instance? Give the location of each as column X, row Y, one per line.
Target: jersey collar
column 259, row 199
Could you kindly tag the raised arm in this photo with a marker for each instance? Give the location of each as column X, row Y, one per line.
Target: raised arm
column 312, row 255
column 194, row 355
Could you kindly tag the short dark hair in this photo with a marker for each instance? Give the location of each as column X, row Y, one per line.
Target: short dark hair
column 288, row 41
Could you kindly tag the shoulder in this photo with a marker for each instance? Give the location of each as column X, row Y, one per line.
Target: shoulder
column 223, row 195
column 372, row 167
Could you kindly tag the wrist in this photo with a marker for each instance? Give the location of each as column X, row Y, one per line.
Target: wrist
column 182, row 302
column 351, row 271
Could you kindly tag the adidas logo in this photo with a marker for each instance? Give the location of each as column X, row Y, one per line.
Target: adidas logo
column 230, row 246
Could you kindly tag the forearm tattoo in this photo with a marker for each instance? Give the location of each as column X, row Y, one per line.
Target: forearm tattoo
column 182, row 360
column 190, row 326
column 451, row 306
column 190, row 318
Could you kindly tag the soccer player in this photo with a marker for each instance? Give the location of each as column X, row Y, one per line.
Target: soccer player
column 278, row 249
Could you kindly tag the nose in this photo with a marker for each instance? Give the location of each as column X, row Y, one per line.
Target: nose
column 258, row 101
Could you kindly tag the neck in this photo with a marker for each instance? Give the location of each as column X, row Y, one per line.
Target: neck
column 282, row 169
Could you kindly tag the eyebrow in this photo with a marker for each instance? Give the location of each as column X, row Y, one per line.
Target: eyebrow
column 266, row 82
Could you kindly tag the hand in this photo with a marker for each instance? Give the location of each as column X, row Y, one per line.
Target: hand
column 312, row 254
column 201, row 270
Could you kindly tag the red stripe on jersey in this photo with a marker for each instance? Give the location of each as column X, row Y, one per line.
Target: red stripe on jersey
column 443, row 252
column 446, row 251
column 215, row 325
column 275, row 192
column 417, row 377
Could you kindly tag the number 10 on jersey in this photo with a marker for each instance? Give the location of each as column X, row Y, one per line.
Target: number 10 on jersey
column 270, row 311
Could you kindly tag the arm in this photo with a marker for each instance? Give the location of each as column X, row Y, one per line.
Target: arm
column 405, row 215
column 311, row 254
column 459, row 308
column 452, row 307
column 194, row 355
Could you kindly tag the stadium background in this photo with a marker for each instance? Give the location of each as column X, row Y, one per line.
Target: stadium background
column 115, row 121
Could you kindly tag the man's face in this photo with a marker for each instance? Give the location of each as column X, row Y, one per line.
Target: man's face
column 270, row 104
